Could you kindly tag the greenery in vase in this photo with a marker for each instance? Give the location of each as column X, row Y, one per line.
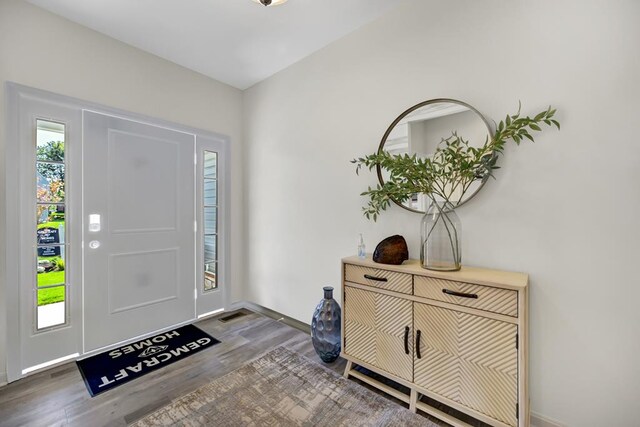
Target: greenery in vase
column 447, row 175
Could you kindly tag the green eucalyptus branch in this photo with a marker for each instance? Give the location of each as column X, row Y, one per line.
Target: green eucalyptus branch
column 454, row 166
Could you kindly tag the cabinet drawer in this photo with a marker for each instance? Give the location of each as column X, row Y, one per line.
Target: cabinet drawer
column 383, row 279
column 487, row 298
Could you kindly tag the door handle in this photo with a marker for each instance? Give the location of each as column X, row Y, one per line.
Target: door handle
column 418, row 355
column 406, row 340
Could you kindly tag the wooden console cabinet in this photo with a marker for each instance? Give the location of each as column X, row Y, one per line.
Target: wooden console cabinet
column 459, row 338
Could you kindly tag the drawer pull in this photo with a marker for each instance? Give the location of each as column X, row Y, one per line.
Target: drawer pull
column 377, row 279
column 418, row 355
column 406, row 340
column 459, row 294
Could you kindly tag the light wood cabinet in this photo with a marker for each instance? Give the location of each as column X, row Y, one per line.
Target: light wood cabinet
column 459, row 338
column 377, row 327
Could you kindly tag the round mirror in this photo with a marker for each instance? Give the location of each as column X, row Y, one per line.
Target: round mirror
column 422, row 127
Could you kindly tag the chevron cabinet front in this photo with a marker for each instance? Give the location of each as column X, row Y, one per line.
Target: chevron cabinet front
column 469, row 359
column 457, row 338
column 375, row 329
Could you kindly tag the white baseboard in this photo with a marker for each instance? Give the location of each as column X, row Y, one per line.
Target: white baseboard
column 3, row 378
column 294, row 323
column 237, row 305
column 538, row 420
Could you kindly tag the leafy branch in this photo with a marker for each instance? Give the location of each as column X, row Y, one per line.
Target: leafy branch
column 449, row 173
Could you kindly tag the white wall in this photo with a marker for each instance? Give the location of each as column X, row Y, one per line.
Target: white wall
column 45, row 51
column 564, row 209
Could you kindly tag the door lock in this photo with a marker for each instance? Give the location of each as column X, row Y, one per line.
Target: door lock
column 94, row 222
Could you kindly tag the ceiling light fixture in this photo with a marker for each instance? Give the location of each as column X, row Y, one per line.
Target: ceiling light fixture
column 270, row 2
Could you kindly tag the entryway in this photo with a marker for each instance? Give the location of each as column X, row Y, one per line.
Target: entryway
column 59, row 396
column 119, row 223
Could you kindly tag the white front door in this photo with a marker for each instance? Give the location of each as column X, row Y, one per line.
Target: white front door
column 139, row 246
column 116, row 227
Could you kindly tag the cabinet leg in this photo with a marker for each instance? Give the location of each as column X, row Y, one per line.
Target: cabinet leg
column 347, row 369
column 413, row 399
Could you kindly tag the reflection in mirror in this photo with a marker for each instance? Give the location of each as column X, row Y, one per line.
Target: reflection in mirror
column 420, row 130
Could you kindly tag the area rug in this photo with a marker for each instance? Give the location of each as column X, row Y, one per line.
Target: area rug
column 112, row 368
column 282, row 388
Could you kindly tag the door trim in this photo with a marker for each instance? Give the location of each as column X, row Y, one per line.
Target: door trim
column 13, row 93
column 12, row 232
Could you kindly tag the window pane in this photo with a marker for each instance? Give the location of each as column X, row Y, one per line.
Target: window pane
column 210, row 279
column 50, row 182
column 210, row 200
column 51, row 265
column 210, row 248
column 51, row 306
column 50, row 141
column 210, row 188
column 51, row 216
column 210, row 220
column 210, row 164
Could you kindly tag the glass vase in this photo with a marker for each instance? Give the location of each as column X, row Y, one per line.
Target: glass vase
column 441, row 232
column 325, row 327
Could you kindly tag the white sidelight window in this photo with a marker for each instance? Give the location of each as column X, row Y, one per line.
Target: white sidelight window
column 210, row 229
column 50, row 284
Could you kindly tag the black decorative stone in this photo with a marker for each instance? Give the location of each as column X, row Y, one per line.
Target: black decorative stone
column 392, row 250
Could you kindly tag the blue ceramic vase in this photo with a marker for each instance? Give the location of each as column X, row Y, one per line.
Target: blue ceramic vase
column 325, row 327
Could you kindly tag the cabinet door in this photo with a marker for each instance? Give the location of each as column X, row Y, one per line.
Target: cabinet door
column 375, row 327
column 469, row 359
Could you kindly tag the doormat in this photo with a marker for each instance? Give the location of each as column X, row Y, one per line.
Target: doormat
column 109, row 369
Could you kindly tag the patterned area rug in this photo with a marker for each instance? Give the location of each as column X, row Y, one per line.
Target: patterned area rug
column 282, row 388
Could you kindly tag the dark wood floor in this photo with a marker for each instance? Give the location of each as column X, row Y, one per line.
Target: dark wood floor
column 58, row 397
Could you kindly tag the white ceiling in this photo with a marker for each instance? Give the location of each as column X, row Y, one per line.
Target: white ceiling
column 237, row 42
